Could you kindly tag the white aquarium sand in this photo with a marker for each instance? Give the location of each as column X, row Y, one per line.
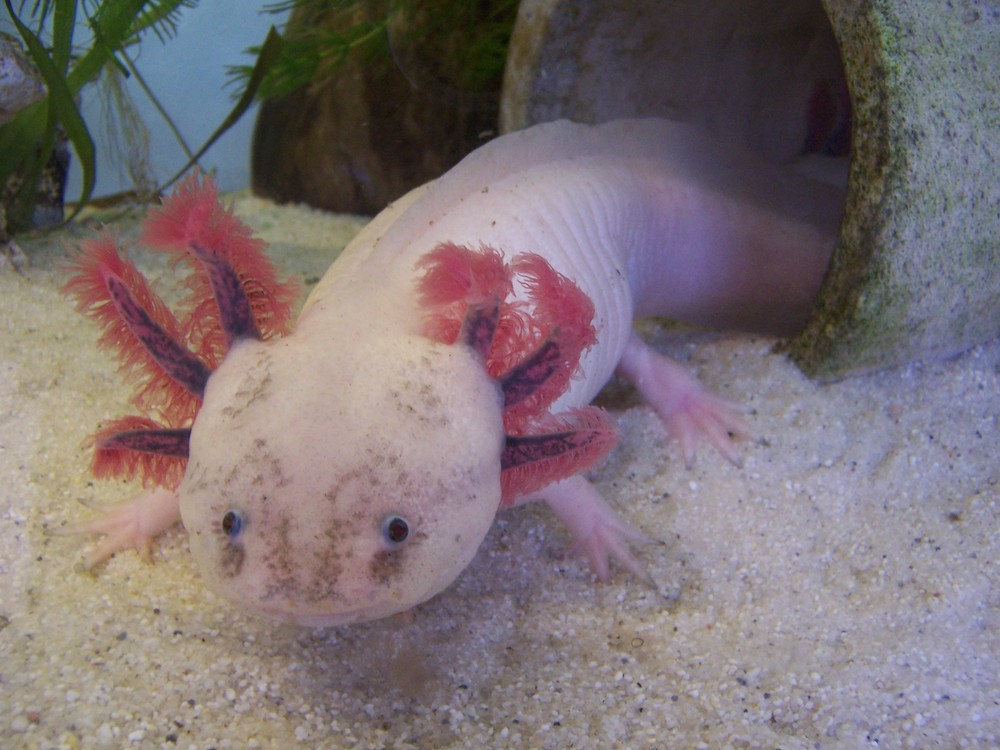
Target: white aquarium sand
column 840, row 590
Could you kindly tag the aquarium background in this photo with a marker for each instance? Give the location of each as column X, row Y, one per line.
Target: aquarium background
column 188, row 74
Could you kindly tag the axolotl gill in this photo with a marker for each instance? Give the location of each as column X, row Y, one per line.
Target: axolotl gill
column 348, row 467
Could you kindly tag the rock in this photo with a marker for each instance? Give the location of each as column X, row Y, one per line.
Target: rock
column 377, row 127
column 20, row 83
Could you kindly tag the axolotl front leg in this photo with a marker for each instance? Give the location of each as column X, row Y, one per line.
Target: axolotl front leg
column 131, row 525
column 687, row 409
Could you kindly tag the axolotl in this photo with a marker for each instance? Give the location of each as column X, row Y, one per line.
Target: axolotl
column 348, row 467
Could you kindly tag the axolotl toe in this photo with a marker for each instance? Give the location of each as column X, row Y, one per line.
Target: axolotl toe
column 350, row 466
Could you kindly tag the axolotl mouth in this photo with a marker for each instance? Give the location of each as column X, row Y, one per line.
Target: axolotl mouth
column 298, row 613
column 321, row 618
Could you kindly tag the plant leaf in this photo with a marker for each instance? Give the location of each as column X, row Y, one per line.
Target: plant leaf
column 111, row 26
column 63, row 23
column 161, row 17
column 62, row 108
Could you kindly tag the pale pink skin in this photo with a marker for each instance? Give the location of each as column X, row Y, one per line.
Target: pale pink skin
column 647, row 217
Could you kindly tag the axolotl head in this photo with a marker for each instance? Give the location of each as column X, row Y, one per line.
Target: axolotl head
column 351, row 469
column 327, row 488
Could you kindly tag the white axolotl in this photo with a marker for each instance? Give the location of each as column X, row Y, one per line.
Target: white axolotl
column 443, row 367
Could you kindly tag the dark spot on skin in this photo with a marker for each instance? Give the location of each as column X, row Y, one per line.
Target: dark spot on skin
column 265, row 467
column 255, row 386
column 333, row 555
column 371, row 477
column 432, row 400
column 403, row 403
column 420, row 399
column 308, row 581
column 231, row 560
column 277, row 560
column 386, row 565
column 196, row 475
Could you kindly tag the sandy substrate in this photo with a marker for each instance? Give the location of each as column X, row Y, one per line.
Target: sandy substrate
column 840, row 590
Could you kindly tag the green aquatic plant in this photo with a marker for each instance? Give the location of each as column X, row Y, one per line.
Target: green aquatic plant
column 49, row 31
column 455, row 44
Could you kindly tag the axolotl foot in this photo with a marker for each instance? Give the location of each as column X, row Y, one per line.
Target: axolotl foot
column 685, row 407
column 598, row 533
column 131, row 525
column 689, row 412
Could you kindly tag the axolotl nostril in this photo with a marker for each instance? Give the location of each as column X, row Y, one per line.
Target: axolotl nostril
column 441, row 370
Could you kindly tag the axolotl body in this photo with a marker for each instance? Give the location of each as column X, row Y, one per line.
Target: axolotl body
column 442, row 369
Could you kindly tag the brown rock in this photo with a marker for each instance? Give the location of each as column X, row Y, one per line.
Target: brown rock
column 380, row 125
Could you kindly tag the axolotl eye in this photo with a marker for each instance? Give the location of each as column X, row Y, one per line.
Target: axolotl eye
column 232, row 524
column 395, row 530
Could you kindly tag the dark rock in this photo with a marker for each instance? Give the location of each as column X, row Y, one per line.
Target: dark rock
column 378, row 126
